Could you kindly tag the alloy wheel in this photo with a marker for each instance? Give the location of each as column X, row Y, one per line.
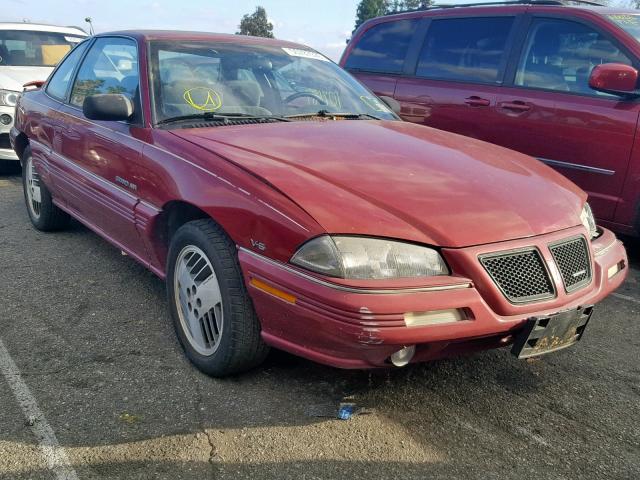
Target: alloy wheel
column 34, row 198
column 198, row 300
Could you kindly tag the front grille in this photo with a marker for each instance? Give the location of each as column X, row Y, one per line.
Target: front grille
column 521, row 275
column 574, row 263
column 4, row 140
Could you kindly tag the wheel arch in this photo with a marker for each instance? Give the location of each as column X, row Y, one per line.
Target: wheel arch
column 175, row 214
column 20, row 144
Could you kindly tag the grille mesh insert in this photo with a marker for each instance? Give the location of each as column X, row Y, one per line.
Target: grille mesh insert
column 572, row 258
column 521, row 276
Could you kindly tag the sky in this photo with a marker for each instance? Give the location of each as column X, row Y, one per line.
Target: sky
column 324, row 25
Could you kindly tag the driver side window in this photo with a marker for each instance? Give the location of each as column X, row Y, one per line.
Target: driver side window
column 560, row 55
column 59, row 83
column 111, row 66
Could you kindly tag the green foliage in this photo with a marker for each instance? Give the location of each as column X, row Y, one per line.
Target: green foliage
column 403, row 5
column 368, row 9
column 257, row 24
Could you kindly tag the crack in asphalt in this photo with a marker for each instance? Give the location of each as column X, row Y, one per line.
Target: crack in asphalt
column 202, row 423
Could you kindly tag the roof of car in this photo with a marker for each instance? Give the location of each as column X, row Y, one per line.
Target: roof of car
column 42, row 27
column 146, row 35
column 463, row 9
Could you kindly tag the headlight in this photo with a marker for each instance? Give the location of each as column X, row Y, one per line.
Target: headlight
column 368, row 258
column 9, row 98
column 589, row 221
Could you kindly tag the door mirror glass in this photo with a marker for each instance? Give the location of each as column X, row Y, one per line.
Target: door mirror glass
column 392, row 103
column 615, row 78
column 108, row 106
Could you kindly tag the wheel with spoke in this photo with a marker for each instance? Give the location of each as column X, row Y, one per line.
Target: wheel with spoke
column 44, row 214
column 198, row 295
column 34, row 197
column 212, row 312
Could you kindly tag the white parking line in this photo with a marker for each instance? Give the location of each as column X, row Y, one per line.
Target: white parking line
column 625, row 297
column 53, row 453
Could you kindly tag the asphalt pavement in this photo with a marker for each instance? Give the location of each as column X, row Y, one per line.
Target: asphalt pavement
column 100, row 389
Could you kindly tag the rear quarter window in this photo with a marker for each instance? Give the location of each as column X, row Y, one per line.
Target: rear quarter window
column 383, row 47
column 465, row 49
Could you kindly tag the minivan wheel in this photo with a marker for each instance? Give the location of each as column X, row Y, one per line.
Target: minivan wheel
column 211, row 309
column 44, row 215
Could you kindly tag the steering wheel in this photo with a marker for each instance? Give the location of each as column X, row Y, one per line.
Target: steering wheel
column 297, row 95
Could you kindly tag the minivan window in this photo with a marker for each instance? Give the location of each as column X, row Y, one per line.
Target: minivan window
column 560, row 54
column 59, row 83
column 465, row 49
column 24, row 48
column 382, row 48
column 630, row 23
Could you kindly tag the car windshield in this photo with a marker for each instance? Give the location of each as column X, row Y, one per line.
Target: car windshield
column 630, row 23
column 24, row 48
column 205, row 78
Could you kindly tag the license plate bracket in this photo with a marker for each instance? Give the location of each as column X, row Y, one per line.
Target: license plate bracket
column 550, row 333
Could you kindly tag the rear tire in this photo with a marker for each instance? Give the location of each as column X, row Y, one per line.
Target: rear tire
column 44, row 215
column 211, row 309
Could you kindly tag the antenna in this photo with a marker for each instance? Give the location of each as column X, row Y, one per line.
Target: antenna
column 88, row 20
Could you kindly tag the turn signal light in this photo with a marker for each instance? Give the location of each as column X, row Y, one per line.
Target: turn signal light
column 271, row 290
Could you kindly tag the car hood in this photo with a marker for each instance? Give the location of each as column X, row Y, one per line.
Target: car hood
column 13, row 78
column 400, row 180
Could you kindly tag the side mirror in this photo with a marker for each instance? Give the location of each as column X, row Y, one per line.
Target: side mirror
column 108, row 106
column 615, row 78
column 392, row 103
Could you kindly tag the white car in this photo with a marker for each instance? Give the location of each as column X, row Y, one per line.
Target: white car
column 28, row 52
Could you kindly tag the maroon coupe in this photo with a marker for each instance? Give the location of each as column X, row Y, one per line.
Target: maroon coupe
column 288, row 206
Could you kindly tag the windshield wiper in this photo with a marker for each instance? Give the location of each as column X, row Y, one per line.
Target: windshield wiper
column 328, row 114
column 220, row 117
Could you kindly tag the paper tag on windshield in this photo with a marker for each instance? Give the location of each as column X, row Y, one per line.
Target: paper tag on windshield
column 298, row 52
column 73, row 39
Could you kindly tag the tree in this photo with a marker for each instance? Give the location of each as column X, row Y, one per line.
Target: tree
column 395, row 6
column 257, row 24
column 368, row 9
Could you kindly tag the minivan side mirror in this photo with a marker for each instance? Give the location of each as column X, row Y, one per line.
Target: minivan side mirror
column 615, row 78
column 392, row 103
column 108, row 106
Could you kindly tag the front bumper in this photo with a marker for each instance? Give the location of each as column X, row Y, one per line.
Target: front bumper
column 6, row 152
column 361, row 326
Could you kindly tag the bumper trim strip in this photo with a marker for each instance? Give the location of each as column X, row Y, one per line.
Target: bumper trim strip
column 342, row 288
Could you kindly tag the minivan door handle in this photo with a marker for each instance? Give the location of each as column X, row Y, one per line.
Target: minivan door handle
column 516, row 106
column 475, row 101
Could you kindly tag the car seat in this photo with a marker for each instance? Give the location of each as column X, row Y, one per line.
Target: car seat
column 543, row 68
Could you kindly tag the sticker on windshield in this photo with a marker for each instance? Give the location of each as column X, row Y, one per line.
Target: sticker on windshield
column 625, row 19
column 374, row 103
column 298, row 52
column 204, row 99
column 73, row 39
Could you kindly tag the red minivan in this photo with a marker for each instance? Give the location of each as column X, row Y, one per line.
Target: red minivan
column 553, row 81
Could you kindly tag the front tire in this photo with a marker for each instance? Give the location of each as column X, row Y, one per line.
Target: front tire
column 211, row 309
column 44, row 215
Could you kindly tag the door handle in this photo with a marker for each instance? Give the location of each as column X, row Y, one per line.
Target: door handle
column 516, row 106
column 476, row 101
